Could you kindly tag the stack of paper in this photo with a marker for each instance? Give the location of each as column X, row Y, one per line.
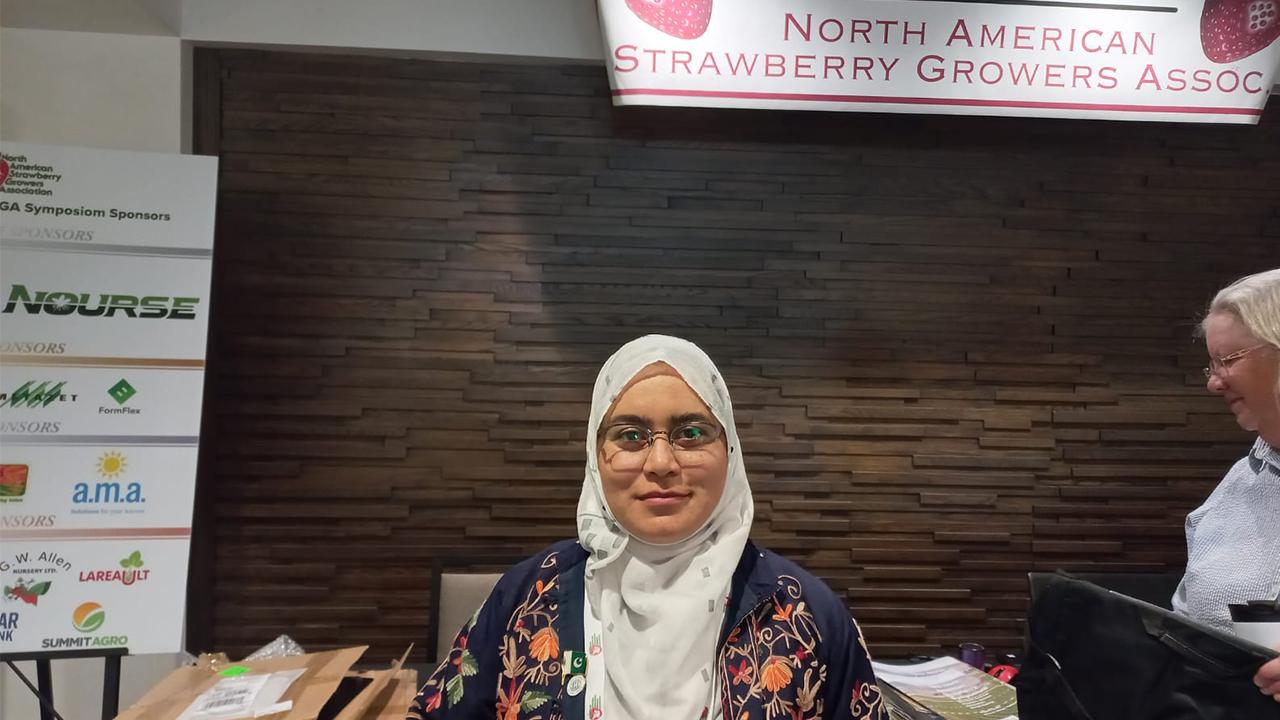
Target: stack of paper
column 947, row 689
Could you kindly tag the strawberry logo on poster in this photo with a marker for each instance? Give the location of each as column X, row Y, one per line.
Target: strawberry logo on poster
column 685, row 19
column 4, row 170
column 1232, row 30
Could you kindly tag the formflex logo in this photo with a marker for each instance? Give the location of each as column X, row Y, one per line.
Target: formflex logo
column 37, row 394
column 88, row 617
column 122, row 392
column 66, row 302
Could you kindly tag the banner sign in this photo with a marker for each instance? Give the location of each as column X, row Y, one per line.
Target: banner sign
column 1165, row 60
column 105, row 261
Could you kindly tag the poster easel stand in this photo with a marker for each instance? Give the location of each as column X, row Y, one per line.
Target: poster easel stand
column 44, row 677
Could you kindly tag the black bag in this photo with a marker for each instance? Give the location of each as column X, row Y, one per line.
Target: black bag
column 1097, row 655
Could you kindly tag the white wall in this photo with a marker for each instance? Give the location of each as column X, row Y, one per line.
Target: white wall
column 565, row 29
column 101, row 90
column 115, row 74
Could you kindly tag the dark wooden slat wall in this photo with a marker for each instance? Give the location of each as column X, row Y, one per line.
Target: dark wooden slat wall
column 960, row 348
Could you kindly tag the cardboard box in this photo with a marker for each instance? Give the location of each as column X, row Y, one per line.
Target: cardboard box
column 320, row 686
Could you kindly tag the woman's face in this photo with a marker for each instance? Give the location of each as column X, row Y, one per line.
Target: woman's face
column 1248, row 384
column 661, row 492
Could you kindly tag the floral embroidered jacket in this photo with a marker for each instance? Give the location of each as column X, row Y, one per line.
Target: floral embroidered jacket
column 788, row 650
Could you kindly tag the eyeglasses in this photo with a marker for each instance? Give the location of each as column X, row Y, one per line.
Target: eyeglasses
column 1221, row 366
column 626, row 445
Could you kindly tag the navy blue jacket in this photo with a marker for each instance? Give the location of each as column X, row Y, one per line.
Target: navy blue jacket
column 788, row 648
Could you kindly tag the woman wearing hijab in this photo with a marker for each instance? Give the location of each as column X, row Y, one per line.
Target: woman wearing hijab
column 662, row 608
column 1233, row 539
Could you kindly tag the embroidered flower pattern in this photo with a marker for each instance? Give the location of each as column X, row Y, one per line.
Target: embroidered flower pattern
column 530, row 657
column 769, row 666
column 770, row 660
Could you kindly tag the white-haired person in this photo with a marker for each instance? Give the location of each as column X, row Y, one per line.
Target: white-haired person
column 1233, row 539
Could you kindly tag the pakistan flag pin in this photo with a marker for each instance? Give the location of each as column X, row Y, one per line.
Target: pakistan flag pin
column 575, row 663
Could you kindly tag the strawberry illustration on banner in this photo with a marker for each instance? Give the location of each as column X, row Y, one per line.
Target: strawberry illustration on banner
column 1231, row 30
column 686, row 19
column 4, row 170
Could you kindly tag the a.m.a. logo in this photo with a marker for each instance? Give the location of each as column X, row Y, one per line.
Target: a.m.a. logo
column 37, row 394
column 64, row 302
column 110, row 495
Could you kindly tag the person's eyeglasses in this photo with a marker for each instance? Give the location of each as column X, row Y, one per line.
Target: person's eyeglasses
column 1221, row 366
column 627, row 445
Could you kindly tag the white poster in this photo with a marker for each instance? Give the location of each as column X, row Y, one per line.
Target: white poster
column 1162, row 60
column 105, row 261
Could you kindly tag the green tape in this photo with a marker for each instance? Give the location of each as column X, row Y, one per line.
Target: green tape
column 234, row 670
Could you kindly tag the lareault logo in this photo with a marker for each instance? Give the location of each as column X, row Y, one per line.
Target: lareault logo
column 129, row 572
column 65, row 302
column 13, row 483
column 37, row 394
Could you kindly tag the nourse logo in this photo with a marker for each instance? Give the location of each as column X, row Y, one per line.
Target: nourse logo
column 61, row 302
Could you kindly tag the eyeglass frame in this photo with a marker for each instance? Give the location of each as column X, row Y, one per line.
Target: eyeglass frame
column 1221, row 366
column 651, row 436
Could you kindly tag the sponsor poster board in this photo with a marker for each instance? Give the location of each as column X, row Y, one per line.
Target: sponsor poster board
column 105, row 262
column 1157, row 60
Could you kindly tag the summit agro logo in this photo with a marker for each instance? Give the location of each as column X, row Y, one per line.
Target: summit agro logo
column 20, row 175
column 122, row 392
column 33, row 395
column 109, row 496
column 87, row 619
column 130, row 572
column 67, row 302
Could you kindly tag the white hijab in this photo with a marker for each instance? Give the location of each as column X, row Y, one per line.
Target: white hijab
column 661, row 606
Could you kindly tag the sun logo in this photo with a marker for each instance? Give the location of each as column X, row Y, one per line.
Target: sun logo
column 111, row 464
